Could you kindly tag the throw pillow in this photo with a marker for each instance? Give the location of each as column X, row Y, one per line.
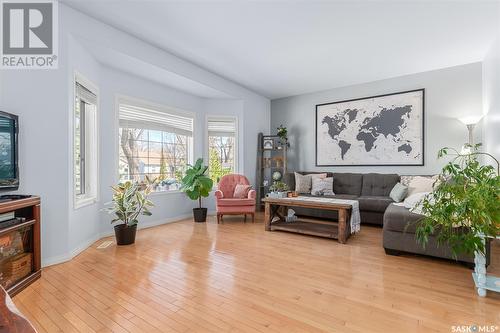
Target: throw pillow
column 317, row 175
column 241, row 191
column 322, row 186
column 303, row 183
column 412, row 200
column 398, row 192
column 420, row 184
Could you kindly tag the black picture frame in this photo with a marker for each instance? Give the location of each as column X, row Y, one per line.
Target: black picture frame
column 370, row 97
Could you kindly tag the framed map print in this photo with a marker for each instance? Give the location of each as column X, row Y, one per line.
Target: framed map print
column 378, row 130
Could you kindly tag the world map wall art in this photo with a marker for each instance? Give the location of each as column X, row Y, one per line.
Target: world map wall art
column 378, row 130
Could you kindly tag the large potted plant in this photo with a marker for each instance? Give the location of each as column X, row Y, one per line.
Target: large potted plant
column 196, row 184
column 464, row 208
column 130, row 200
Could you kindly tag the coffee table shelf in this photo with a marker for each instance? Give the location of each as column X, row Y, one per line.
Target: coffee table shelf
column 308, row 228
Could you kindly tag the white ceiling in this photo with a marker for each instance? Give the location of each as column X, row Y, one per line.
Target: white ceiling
column 284, row 48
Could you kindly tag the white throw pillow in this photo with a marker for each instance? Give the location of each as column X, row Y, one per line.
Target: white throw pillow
column 411, row 201
column 322, row 186
column 420, row 184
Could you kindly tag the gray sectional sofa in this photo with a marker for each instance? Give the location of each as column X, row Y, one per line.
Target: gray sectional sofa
column 377, row 208
column 370, row 189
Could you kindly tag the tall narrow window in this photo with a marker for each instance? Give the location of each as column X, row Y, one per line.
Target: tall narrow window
column 222, row 146
column 155, row 141
column 85, row 144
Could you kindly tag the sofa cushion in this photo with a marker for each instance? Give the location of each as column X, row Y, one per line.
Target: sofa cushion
column 378, row 184
column 347, row 183
column 399, row 218
column 236, row 202
column 374, row 203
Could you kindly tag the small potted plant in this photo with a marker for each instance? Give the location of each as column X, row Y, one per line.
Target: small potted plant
column 278, row 190
column 196, row 184
column 130, row 199
column 283, row 135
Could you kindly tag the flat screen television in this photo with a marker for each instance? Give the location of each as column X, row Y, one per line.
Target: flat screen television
column 9, row 168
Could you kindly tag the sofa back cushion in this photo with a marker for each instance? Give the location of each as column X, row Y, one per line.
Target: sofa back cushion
column 347, row 183
column 378, row 184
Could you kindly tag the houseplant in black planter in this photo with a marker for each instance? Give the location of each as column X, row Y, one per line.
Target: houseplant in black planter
column 196, row 184
column 129, row 201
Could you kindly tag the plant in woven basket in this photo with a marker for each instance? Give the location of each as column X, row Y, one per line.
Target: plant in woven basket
column 464, row 206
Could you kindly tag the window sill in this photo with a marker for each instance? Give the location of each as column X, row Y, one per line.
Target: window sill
column 159, row 193
column 83, row 202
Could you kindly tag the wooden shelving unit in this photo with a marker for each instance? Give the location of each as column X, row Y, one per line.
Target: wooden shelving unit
column 268, row 162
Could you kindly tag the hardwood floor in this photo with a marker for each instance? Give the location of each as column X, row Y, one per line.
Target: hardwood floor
column 235, row 277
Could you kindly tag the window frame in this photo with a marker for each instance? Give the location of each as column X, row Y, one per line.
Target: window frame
column 91, row 169
column 125, row 99
column 216, row 117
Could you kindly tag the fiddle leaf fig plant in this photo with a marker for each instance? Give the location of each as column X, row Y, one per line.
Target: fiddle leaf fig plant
column 196, row 184
column 464, row 206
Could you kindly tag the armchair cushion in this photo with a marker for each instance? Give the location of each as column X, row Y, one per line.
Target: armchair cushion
column 235, row 202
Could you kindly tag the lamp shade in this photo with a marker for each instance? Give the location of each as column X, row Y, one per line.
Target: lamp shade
column 470, row 120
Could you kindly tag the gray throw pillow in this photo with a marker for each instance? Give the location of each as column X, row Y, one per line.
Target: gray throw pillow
column 303, row 183
column 398, row 192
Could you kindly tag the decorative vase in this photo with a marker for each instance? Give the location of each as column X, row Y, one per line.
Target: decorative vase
column 125, row 235
column 200, row 214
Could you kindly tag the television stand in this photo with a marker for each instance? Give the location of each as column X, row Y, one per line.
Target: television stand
column 20, row 261
column 14, row 196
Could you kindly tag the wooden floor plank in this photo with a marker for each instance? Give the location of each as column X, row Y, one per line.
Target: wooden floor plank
column 236, row 277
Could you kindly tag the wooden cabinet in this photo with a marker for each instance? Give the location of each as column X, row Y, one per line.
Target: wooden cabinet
column 20, row 261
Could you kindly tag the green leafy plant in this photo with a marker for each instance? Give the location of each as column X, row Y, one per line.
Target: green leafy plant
column 130, row 199
column 464, row 206
column 278, row 186
column 283, row 135
column 196, row 184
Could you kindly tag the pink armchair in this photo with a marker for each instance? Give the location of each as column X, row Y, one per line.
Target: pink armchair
column 227, row 205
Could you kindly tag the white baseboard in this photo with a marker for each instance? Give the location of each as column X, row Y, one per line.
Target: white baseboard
column 85, row 244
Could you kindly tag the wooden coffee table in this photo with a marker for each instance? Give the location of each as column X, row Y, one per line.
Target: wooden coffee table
column 277, row 207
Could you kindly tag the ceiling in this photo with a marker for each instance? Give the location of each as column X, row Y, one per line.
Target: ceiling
column 284, row 48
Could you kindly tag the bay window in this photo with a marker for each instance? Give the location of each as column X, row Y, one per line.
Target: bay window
column 222, row 146
column 155, row 141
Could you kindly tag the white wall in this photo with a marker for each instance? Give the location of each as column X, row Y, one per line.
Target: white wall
column 450, row 93
column 43, row 100
column 491, row 99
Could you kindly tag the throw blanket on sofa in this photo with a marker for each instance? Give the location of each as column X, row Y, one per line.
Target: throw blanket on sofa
column 355, row 220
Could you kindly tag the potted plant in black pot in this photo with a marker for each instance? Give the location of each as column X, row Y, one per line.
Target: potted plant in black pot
column 196, row 184
column 129, row 201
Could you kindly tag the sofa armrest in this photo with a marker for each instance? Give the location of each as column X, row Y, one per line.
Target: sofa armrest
column 252, row 194
column 218, row 194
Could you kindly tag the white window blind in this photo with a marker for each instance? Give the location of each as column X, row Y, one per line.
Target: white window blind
column 85, row 95
column 132, row 116
column 221, row 127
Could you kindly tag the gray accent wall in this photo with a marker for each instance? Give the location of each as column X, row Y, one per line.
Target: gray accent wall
column 450, row 93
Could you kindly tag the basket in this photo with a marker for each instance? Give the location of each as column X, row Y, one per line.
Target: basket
column 17, row 267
